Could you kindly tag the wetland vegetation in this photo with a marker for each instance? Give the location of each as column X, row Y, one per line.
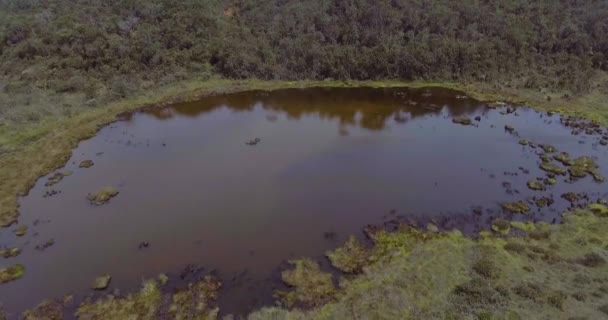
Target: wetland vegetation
column 304, row 123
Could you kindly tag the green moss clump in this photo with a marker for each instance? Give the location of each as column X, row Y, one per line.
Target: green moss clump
column 577, row 172
column 9, row 253
column 57, row 177
column 101, row 283
column 21, row 231
column 582, row 166
column 585, row 162
column 570, row 196
column 516, row 207
column 86, row 164
column 102, row 195
column 527, row 226
column 163, row 279
column 501, row 226
column 524, row 142
column 544, row 157
column 535, row 185
column 48, row 310
column 541, row 202
column 597, row 176
column 311, row 286
column 11, row 273
column 550, row 181
column 548, row 148
column 599, row 209
column 197, row 302
column 564, row 158
column 143, row 305
column 552, row 168
column 350, row 258
column 402, row 240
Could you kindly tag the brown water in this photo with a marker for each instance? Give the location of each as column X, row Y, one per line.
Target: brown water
column 328, row 160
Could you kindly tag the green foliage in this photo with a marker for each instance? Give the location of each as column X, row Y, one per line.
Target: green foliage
column 350, row 258
column 311, row 286
column 501, row 226
column 47, row 310
column 11, row 273
column 141, row 305
column 111, row 48
column 196, row 301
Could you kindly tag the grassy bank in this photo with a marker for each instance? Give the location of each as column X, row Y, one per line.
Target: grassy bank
column 30, row 149
column 538, row 271
column 546, row 272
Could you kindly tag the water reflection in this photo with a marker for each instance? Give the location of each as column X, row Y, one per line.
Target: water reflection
column 369, row 108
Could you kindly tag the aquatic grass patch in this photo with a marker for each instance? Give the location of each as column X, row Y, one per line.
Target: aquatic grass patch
column 47, row 310
column 516, row 207
column 501, row 226
column 457, row 277
column 11, row 273
column 141, row 305
column 311, row 286
column 351, row 257
column 196, row 301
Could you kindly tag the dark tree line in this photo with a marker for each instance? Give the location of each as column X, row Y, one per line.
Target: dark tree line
column 114, row 46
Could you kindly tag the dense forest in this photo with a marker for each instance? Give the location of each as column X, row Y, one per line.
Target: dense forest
column 108, row 49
